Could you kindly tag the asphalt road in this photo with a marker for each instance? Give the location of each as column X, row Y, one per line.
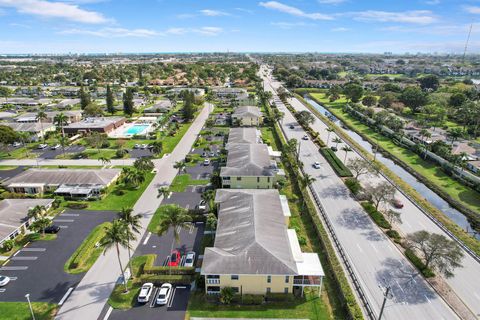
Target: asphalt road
column 91, row 294
column 376, row 261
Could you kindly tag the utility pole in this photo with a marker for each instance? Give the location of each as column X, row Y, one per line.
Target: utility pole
column 385, row 297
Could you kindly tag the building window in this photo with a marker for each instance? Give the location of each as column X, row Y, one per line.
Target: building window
column 234, row 277
column 239, row 178
column 235, row 289
column 226, row 178
column 258, row 179
column 269, row 290
column 269, row 279
column 287, row 278
column 268, row 179
column 285, row 290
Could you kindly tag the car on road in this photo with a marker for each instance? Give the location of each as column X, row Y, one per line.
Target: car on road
column 16, row 144
column 52, row 229
column 55, row 147
column 190, row 259
column 42, row 146
column 397, row 203
column 136, row 146
column 334, row 149
column 145, row 292
column 4, row 280
column 206, row 162
column 164, row 294
column 316, row 165
column 202, row 205
column 292, row 126
column 175, row 258
column 305, row 137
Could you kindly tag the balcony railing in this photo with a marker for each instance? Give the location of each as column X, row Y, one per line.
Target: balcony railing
column 213, row 281
column 307, row 281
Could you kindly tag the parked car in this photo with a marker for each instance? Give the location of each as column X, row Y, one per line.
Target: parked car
column 190, row 259
column 42, row 146
column 52, row 229
column 204, row 154
column 305, row 137
column 397, row 204
column 202, row 205
column 292, row 126
column 164, row 294
column 4, row 280
column 175, row 258
column 206, row 162
column 144, row 146
column 145, row 292
column 55, row 147
column 136, row 146
column 16, row 144
column 212, row 154
column 333, row 148
column 316, row 165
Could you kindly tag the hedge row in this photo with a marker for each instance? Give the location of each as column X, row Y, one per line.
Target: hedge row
column 376, row 215
column 417, row 262
column 353, row 185
column 150, row 269
column 337, row 164
column 164, row 278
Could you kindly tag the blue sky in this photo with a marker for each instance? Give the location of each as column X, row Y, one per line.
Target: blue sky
column 48, row 26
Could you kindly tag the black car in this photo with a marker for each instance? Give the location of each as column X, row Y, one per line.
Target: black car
column 334, row 148
column 292, row 126
column 52, row 229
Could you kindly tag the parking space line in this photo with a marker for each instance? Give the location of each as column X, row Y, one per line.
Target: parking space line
column 69, row 215
column 63, row 227
column 192, row 227
column 23, row 258
column 3, row 290
column 154, row 300
column 170, row 301
column 13, row 268
column 147, row 238
column 187, row 206
column 13, row 278
column 62, row 301
column 107, row 315
column 33, row 250
column 64, row 220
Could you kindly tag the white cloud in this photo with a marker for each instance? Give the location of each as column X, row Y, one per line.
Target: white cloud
column 432, row 2
column 274, row 5
column 19, row 25
column 472, row 9
column 244, row 10
column 208, row 31
column 213, row 13
column 290, row 25
column 47, row 9
column 441, row 30
column 331, row 1
column 340, row 29
column 414, row 17
column 113, row 32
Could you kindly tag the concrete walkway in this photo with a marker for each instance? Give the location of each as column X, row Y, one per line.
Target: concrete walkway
column 91, row 294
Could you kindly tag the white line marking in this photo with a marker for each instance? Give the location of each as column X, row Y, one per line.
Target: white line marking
column 147, row 238
column 69, row 215
column 16, row 253
column 373, row 246
column 154, row 300
column 33, row 249
column 13, row 278
column 3, row 290
column 65, row 296
column 181, row 287
column 359, row 248
column 13, row 268
column 23, row 258
column 64, row 220
column 427, row 299
column 109, row 311
column 63, row 227
column 170, row 302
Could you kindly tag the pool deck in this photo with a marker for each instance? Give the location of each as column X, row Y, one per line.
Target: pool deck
column 121, row 132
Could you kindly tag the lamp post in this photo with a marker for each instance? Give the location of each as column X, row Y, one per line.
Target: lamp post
column 30, row 305
column 385, row 297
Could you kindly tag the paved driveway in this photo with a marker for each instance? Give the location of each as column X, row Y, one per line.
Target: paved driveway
column 7, row 174
column 52, row 154
column 38, row 268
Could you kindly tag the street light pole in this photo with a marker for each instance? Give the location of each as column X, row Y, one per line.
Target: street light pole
column 385, row 297
column 30, row 305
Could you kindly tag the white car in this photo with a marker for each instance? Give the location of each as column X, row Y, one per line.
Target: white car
column 190, row 259
column 305, row 137
column 202, row 205
column 206, row 162
column 145, row 292
column 136, row 146
column 144, row 146
column 316, row 165
column 55, row 147
column 4, row 280
column 42, row 146
column 164, row 293
column 16, row 144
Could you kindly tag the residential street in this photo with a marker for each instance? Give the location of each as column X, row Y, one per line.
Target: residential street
column 376, row 261
column 90, row 296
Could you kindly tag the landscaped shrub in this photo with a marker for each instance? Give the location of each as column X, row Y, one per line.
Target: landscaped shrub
column 161, row 279
column 353, row 185
column 376, row 215
column 337, row 165
column 394, row 235
column 276, row 297
column 252, row 299
column 226, row 295
column 77, row 205
column 7, row 245
column 418, row 263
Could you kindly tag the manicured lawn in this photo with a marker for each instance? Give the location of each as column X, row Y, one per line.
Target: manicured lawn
column 22, row 240
column 7, row 167
column 115, row 200
column 87, row 253
column 94, row 154
column 18, row 154
column 311, row 307
column 267, row 136
column 429, row 170
column 21, row 311
column 169, row 142
column 182, row 181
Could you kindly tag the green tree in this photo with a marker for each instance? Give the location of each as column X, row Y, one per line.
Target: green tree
column 110, row 100
column 156, row 147
column 116, row 235
column 128, row 105
column 414, row 98
column 353, row 92
column 346, row 149
column 437, row 251
column 85, row 98
column 134, row 226
column 5, row 93
column 386, row 100
column 336, row 140
column 144, row 164
column 41, row 116
column 454, row 134
column 134, row 177
column 61, row 120
column 7, row 136
column 163, row 192
column 329, row 130
column 305, row 118
column 429, row 82
column 360, row 167
column 93, row 110
column 40, row 225
column 383, row 192
column 36, row 212
column 369, row 101
column 96, row 140
column 226, row 295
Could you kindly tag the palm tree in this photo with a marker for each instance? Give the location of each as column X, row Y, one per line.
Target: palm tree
column 180, row 165
column 336, row 140
column 133, row 225
column 329, row 130
column 104, row 160
column 116, row 235
column 208, row 196
column 60, row 121
column 163, row 191
column 25, row 136
column 36, row 212
column 308, row 180
column 156, row 147
column 176, row 217
column 40, row 225
column 347, row 149
column 41, row 115
column 454, row 134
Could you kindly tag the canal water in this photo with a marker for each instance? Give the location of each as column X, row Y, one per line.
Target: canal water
column 427, row 193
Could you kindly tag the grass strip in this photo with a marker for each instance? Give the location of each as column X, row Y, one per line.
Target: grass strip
column 340, row 169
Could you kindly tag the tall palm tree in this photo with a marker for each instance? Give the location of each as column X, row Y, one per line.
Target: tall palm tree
column 156, row 147
column 180, row 165
column 347, row 149
column 134, row 227
column 337, row 140
column 41, row 115
column 176, row 217
column 60, row 121
column 163, row 191
column 308, row 180
column 36, row 212
column 329, row 130
column 116, row 235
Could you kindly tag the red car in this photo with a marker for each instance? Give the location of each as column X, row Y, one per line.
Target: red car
column 174, row 259
column 397, row 203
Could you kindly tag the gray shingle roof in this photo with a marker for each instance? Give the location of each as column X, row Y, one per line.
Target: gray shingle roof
column 247, row 160
column 33, row 127
column 243, row 135
column 65, row 176
column 251, row 235
column 250, row 111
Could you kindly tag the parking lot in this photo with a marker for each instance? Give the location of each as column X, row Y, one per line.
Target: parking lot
column 38, row 267
column 49, row 153
column 7, row 174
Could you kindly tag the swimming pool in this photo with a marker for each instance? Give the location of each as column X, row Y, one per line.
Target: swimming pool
column 136, row 129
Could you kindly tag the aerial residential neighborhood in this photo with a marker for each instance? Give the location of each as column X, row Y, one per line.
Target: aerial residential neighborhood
column 210, row 160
